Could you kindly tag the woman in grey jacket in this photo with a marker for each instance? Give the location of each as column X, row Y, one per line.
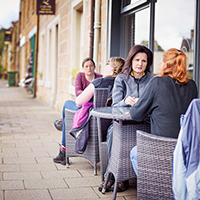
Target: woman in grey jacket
column 128, row 86
column 135, row 75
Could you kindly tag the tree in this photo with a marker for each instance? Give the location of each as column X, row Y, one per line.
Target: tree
column 2, row 31
column 157, row 47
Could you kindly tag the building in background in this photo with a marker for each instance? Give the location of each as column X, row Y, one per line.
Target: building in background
column 4, row 60
column 100, row 29
column 11, row 41
column 27, row 37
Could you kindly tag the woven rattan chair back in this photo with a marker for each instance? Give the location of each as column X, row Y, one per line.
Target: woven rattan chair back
column 92, row 150
column 154, row 166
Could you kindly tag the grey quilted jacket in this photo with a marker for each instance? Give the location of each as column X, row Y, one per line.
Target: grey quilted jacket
column 124, row 87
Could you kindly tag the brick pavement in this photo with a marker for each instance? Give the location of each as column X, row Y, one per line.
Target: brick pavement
column 28, row 143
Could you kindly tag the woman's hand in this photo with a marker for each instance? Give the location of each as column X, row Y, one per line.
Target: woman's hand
column 130, row 100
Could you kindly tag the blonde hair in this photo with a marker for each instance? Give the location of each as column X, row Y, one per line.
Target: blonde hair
column 118, row 64
column 174, row 62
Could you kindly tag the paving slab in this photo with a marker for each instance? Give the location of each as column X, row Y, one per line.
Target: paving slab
column 28, row 143
column 28, row 195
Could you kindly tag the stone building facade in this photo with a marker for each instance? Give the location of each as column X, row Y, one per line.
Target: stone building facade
column 27, row 34
column 64, row 41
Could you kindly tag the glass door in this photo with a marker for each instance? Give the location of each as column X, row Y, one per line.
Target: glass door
column 174, row 28
column 135, row 18
column 136, row 29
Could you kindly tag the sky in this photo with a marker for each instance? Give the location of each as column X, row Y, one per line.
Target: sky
column 174, row 20
column 9, row 11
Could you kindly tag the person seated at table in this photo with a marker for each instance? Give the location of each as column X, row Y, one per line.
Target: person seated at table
column 113, row 67
column 128, row 86
column 82, row 80
column 165, row 98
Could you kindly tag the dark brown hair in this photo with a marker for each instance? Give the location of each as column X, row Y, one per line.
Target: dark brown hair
column 134, row 50
column 87, row 59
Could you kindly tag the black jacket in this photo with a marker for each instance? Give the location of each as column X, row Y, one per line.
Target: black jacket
column 165, row 100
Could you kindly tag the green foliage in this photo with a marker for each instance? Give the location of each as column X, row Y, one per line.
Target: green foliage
column 160, row 48
column 1, row 69
column 74, row 72
column 2, row 39
column 157, row 47
column 145, row 42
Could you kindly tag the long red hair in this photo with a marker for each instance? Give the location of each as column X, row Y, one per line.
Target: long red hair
column 174, row 62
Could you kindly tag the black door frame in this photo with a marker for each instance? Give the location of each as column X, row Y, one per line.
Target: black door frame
column 196, row 66
column 117, row 30
column 117, row 24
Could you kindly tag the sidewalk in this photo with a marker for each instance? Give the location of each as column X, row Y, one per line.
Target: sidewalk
column 28, row 143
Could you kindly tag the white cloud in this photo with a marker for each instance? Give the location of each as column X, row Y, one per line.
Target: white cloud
column 9, row 10
column 173, row 22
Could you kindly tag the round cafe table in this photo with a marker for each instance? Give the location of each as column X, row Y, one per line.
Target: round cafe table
column 120, row 113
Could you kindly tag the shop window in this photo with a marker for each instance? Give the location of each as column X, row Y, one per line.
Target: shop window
column 136, row 30
column 48, row 77
column 174, row 28
column 42, row 65
column 127, row 5
column 129, row 25
column 77, row 41
column 49, row 67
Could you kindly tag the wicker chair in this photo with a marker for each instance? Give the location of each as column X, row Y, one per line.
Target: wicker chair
column 154, row 166
column 92, row 150
column 124, row 138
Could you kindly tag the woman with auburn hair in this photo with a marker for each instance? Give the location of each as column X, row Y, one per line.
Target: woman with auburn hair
column 175, row 65
column 165, row 98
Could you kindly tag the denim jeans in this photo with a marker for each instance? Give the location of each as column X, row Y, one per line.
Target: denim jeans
column 109, row 144
column 133, row 157
column 69, row 104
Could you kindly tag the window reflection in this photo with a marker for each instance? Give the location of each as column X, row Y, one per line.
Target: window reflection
column 136, row 30
column 174, row 28
column 142, row 19
column 133, row 2
column 129, row 42
column 126, row 3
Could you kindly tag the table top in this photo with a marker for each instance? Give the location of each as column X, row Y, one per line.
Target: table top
column 112, row 112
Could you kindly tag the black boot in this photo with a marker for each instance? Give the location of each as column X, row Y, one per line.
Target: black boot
column 60, row 158
column 58, row 124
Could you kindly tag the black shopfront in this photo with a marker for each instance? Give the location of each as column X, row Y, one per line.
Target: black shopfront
column 159, row 24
